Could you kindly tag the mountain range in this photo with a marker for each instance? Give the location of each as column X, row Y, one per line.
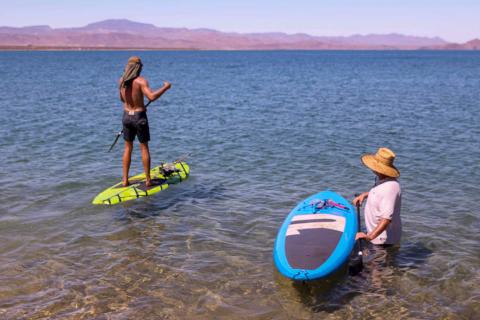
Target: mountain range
column 126, row 34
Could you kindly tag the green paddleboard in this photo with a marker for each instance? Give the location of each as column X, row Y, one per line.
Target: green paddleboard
column 161, row 178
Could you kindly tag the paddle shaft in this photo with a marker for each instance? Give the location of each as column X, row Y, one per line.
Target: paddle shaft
column 121, row 132
column 356, row 264
column 359, row 225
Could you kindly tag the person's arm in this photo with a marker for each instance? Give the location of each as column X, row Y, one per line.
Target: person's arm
column 154, row 95
column 382, row 226
column 359, row 200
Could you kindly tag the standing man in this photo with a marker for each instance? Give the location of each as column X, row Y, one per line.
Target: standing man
column 133, row 88
column 382, row 210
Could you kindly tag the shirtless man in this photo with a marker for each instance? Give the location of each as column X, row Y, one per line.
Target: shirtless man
column 133, row 88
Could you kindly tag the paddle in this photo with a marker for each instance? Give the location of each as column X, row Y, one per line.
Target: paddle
column 121, row 132
column 356, row 262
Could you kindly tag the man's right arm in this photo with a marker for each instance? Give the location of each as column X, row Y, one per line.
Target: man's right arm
column 381, row 226
column 154, row 95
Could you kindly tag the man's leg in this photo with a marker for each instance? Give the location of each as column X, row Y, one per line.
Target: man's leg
column 146, row 162
column 127, row 157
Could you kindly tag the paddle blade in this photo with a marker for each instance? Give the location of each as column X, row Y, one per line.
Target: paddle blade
column 355, row 265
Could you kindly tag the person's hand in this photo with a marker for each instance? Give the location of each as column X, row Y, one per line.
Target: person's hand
column 167, row 85
column 359, row 200
column 361, row 235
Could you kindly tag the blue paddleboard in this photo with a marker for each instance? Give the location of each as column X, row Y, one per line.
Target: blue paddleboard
column 316, row 238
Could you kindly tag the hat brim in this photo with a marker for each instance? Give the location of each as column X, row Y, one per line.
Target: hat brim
column 372, row 163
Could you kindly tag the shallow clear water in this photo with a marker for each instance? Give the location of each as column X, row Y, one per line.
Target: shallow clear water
column 265, row 130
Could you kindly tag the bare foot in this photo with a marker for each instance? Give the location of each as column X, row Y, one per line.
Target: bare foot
column 148, row 183
column 125, row 183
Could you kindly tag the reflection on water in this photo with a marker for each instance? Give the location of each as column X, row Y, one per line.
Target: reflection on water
column 264, row 130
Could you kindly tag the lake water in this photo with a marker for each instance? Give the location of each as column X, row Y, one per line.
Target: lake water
column 263, row 130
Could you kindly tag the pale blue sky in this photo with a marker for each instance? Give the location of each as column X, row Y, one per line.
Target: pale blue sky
column 453, row 20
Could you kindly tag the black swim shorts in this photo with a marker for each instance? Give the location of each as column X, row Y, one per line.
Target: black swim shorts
column 136, row 124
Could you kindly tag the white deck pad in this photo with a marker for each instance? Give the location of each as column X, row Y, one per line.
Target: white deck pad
column 316, row 221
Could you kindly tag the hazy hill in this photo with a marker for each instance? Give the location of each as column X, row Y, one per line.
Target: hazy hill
column 121, row 34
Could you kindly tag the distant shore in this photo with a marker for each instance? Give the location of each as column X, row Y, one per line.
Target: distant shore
column 122, row 34
column 68, row 48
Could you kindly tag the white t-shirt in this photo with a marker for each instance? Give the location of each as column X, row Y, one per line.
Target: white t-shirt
column 384, row 201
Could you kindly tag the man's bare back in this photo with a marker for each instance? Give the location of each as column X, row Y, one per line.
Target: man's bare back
column 133, row 96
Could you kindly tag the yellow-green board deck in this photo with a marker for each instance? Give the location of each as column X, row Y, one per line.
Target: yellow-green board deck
column 138, row 189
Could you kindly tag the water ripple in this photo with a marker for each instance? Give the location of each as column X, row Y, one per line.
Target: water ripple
column 265, row 129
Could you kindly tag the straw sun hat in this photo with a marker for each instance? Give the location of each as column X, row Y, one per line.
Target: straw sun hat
column 381, row 162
